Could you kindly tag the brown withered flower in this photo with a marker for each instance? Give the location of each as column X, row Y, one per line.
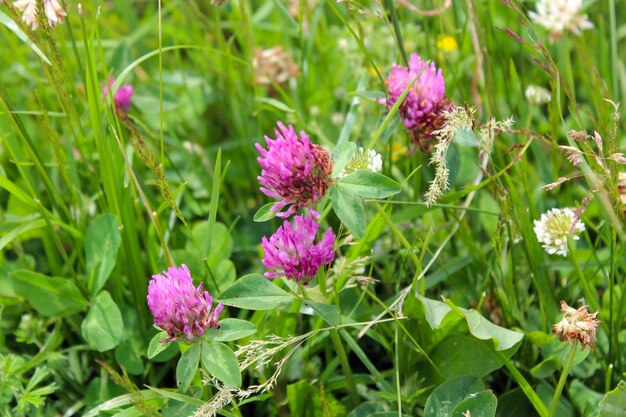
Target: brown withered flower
column 273, row 65
column 577, row 325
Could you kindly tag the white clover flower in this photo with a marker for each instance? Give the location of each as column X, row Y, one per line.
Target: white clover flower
column 555, row 228
column 560, row 15
column 52, row 8
column 370, row 160
column 537, row 95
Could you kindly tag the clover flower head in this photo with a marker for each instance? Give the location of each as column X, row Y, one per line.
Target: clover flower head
column 179, row 308
column 121, row 96
column 557, row 16
column 52, row 8
column 273, row 65
column 293, row 170
column 555, row 228
column 291, row 252
column 577, row 324
column 369, row 160
column 424, row 96
column 537, row 95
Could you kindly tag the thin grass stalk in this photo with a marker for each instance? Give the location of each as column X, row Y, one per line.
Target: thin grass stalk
column 559, row 388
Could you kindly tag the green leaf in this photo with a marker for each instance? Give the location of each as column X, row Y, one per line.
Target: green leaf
column 12, row 26
column 349, row 208
column 447, row 396
column 304, row 400
column 255, row 292
column 8, row 237
column 221, row 362
column 555, row 356
column 462, row 355
column 479, row 327
column 51, row 297
column 514, row 403
column 230, row 329
column 329, row 312
column 225, row 273
column 264, row 213
column 187, row 367
column 341, row 155
column 369, row 184
column 177, row 396
column 221, row 247
column 483, row 329
column 614, row 402
column 156, row 345
column 275, row 103
column 121, row 401
column 103, row 327
column 435, row 311
column 367, row 408
column 102, row 243
column 128, row 356
column 465, row 137
column 482, row 404
column 584, row 399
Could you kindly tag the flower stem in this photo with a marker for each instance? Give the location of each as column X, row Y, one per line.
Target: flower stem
column 343, row 359
column 524, row 385
column 561, row 384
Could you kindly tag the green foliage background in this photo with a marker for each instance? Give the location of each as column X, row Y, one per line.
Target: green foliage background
column 93, row 202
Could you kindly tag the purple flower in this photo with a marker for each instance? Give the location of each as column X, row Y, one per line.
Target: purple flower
column 122, row 96
column 421, row 111
column 178, row 307
column 293, row 170
column 290, row 251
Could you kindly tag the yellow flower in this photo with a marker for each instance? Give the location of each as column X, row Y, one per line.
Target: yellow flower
column 398, row 150
column 447, row 43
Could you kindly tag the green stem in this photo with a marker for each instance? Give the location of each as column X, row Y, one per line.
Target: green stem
column 343, row 359
column 561, row 384
column 532, row 396
column 590, row 296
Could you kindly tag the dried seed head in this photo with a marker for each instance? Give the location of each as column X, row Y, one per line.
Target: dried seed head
column 577, row 325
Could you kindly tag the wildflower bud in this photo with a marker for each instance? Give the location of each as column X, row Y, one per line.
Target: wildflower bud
column 597, row 139
column 537, row 95
column 574, row 155
column 555, row 228
column 553, row 185
column 578, row 136
column 290, row 251
column 619, row 158
column 621, row 186
column 577, row 325
column 293, row 170
column 122, row 96
column 179, row 308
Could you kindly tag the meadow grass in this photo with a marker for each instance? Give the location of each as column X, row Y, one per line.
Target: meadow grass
column 451, row 301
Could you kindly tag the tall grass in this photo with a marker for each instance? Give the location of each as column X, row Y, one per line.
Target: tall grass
column 179, row 174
